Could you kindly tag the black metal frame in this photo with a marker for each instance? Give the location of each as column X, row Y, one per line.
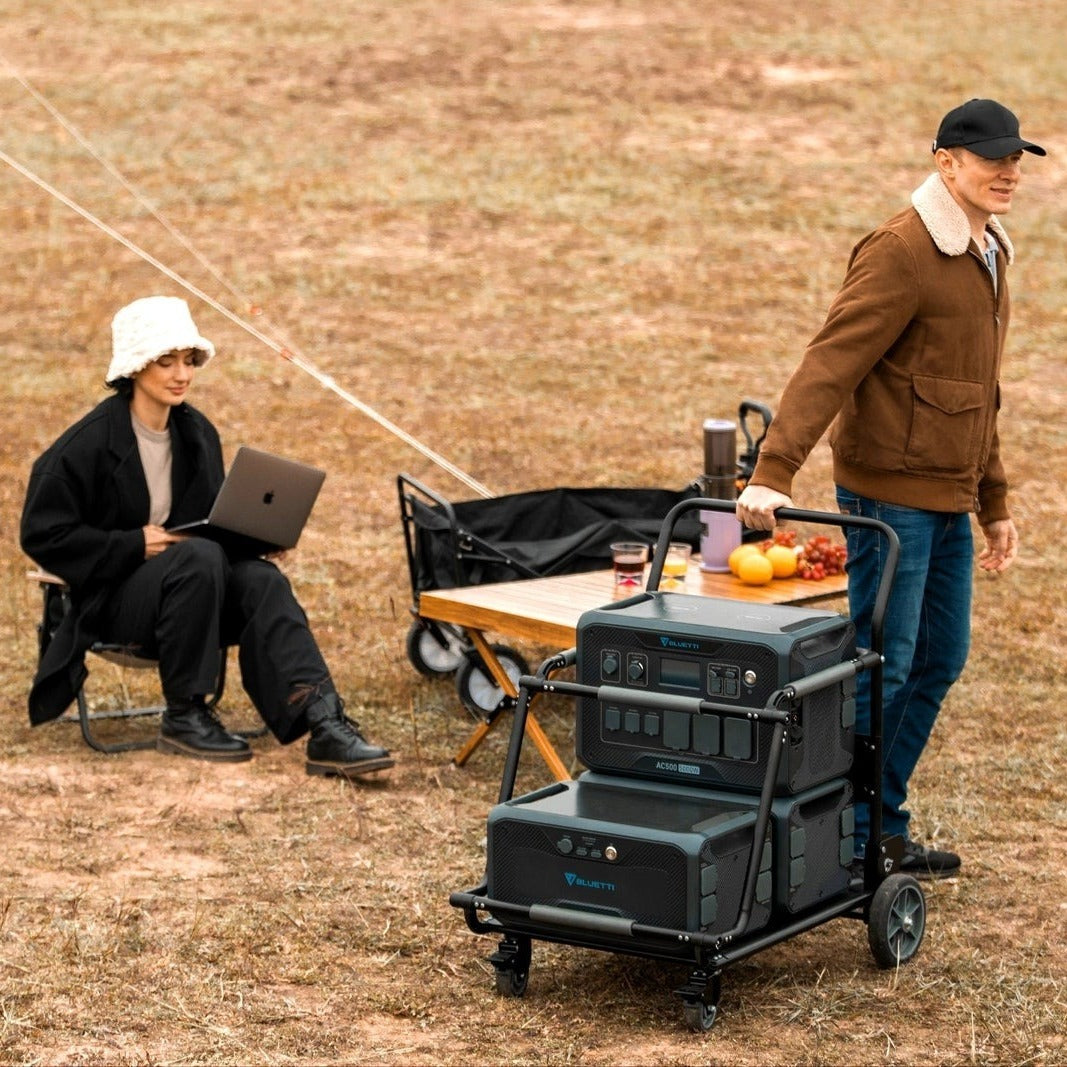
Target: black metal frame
column 55, row 592
column 708, row 954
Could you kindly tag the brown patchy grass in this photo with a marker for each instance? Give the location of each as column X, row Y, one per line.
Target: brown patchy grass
column 513, row 229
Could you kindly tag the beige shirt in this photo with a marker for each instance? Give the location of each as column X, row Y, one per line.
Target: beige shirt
column 154, row 447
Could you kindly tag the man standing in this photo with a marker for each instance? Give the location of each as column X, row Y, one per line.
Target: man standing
column 907, row 368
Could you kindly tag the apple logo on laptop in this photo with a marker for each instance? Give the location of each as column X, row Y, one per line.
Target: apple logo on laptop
column 268, row 497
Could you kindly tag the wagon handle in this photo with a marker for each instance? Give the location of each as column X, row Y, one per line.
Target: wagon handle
column 747, row 460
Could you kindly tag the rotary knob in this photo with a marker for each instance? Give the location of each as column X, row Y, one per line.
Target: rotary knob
column 635, row 670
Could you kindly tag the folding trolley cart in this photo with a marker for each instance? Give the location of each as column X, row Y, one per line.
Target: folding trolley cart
column 716, row 816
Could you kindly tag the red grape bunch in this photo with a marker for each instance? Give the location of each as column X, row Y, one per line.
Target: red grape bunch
column 817, row 558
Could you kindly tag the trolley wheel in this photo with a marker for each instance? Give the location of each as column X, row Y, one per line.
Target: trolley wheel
column 699, row 1016
column 478, row 689
column 511, row 962
column 434, row 648
column 512, row 983
column 700, row 1000
column 896, row 921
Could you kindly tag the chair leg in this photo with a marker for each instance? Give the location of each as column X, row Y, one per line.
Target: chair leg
column 87, row 717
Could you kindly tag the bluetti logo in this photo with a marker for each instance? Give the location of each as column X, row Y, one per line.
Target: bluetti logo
column 671, row 642
column 585, row 883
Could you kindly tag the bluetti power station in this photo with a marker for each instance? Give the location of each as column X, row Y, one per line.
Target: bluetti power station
column 660, row 828
column 728, row 651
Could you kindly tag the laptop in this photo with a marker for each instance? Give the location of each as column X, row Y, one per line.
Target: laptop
column 262, row 505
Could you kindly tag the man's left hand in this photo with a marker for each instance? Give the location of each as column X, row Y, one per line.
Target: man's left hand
column 1001, row 546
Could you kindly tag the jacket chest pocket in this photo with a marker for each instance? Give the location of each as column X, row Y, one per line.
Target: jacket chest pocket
column 945, row 424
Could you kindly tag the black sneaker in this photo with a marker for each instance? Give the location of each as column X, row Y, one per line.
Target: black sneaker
column 191, row 728
column 336, row 748
column 927, row 863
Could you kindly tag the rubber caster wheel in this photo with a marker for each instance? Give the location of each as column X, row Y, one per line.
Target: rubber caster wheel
column 700, row 1000
column 435, row 649
column 511, row 983
column 700, row 1017
column 478, row 689
column 896, row 921
column 511, row 965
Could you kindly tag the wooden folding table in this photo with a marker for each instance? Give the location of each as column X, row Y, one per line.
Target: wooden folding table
column 547, row 610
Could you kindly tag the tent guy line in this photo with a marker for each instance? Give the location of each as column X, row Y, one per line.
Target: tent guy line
column 286, row 350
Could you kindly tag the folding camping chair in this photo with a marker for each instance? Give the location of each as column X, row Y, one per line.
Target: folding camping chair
column 55, row 605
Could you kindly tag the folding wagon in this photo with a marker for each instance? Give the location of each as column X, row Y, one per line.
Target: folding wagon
column 527, row 535
column 521, row 535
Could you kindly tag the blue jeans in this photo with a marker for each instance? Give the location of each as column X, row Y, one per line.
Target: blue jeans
column 927, row 634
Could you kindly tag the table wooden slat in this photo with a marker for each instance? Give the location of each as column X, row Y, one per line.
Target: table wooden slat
column 547, row 610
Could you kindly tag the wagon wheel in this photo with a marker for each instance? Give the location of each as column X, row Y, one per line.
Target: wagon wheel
column 478, row 689
column 896, row 921
column 511, row 962
column 435, row 648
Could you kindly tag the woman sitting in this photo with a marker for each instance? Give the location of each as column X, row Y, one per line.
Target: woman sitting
column 97, row 507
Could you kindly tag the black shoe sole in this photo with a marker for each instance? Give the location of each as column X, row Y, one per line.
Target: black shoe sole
column 173, row 747
column 349, row 770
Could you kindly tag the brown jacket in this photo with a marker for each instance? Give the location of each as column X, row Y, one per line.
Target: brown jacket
column 908, row 361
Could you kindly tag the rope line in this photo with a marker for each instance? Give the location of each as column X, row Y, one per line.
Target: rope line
column 283, row 347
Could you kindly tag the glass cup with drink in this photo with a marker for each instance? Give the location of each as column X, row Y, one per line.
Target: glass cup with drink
column 675, row 565
column 629, row 558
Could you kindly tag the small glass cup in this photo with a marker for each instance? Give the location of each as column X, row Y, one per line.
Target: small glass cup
column 675, row 565
column 629, row 559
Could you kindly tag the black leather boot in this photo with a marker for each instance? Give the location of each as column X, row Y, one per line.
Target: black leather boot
column 336, row 747
column 191, row 728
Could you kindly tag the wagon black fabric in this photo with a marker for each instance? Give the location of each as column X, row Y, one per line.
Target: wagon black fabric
column 528, row 535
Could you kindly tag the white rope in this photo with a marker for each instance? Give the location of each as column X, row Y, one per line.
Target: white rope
column 283, row 347
column 259, row 335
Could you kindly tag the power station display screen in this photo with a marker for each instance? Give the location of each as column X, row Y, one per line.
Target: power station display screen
column 681, row 673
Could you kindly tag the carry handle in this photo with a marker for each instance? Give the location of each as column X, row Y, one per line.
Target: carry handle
column 747, row 459
column 820, row 518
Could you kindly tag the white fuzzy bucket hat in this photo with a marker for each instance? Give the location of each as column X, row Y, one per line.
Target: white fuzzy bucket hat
column 151, row 327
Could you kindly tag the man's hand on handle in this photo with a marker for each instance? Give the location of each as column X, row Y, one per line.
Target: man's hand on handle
column 757, row 504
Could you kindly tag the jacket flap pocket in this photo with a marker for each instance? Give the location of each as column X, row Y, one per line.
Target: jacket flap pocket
column 950, row 395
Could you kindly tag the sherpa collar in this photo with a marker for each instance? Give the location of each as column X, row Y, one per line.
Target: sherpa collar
column 946, row 221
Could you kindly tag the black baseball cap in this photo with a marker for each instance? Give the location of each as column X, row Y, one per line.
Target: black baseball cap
column 984, row 127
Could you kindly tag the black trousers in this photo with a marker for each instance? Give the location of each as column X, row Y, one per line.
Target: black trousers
column 186, row 605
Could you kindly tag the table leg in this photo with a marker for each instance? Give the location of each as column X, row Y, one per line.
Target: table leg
column 533, row 727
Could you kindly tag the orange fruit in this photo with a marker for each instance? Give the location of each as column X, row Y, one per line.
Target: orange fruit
column 755, row 569
column 783, row 561
column 735, row 557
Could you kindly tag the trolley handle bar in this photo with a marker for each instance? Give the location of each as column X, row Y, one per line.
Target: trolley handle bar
column 821, row 518
column 838, row 672
column 791, row 693
column 660, row 701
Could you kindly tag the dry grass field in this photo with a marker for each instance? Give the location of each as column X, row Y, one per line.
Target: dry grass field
column 546, row 239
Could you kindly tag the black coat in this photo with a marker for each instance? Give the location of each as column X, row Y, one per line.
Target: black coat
column 86, row 504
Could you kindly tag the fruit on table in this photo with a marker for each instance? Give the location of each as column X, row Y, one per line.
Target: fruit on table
column 733, row 561
column 783, row 560
column 754, row 568
column 819, row 557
